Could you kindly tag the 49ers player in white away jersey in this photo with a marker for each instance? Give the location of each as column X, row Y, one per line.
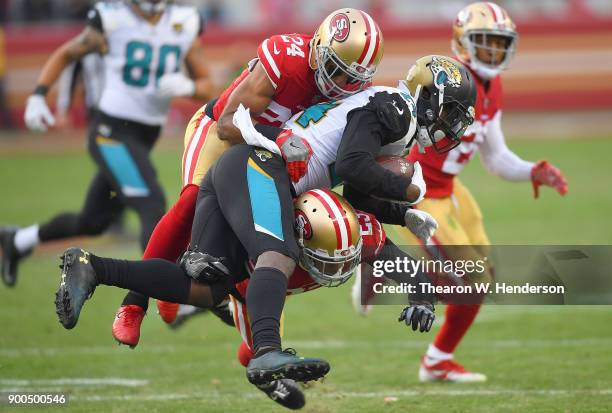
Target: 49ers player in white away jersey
column 484, row 39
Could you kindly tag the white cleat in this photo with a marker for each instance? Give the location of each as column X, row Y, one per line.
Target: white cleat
column 361, row 309
column 447, row 371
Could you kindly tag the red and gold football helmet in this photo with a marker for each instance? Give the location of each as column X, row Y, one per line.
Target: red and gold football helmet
column 328, row 233
column 484, row 38
column 348, row 42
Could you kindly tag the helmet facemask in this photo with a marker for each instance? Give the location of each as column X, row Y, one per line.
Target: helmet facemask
column 442, row 118
column 331, row 271
column 480, row 42
column 329, row 66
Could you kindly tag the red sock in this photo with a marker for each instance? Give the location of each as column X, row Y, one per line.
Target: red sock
column 458, row 319
column 172, row 233
column 245, row 354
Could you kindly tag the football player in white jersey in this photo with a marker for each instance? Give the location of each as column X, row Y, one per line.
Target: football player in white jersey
column 144, row 46
column 245, row 210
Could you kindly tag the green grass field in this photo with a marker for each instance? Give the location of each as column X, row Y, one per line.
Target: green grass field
column 538, row 359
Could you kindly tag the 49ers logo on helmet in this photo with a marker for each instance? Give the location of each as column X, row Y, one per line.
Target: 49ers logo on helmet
column 340, row 26
column 302, row 225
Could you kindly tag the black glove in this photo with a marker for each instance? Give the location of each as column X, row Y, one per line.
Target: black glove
column 418, row 314
column 203, row 267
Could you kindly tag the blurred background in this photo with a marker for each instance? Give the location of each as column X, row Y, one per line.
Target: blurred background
column 563, row 63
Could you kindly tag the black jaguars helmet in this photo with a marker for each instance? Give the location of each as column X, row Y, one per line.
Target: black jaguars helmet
column 445, row 95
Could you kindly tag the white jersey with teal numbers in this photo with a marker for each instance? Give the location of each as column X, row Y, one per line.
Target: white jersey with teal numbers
column 322, row 125
column 139, row 53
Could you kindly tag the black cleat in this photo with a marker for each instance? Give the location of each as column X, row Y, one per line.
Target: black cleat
column 285, row 364
column 10, row 255
column 285, row 392
column 77, row 285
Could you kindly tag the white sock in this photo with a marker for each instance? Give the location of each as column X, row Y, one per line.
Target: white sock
column 434, row 354
column 26, row 238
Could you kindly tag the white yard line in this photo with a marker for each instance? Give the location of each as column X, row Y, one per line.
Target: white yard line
column 360, row 395
column 75, row 381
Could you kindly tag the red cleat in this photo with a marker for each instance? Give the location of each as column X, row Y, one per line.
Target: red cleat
column 167, row 310
column 126, row 327
column 448, row 371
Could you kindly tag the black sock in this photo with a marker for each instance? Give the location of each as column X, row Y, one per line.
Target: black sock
column 155, row 278
column 133, row 298
column 265, row 299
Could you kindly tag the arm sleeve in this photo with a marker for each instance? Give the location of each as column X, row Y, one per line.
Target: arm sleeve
column 498, row 158
column 385, row 211
column 356, row 163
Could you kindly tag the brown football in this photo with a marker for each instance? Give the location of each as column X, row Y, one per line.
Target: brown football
column 396, row 164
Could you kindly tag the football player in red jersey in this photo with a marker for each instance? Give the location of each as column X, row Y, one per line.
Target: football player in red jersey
column 290, row 73
column 484, row 39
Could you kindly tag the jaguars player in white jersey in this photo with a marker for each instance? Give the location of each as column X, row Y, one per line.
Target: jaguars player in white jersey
column 146, row 47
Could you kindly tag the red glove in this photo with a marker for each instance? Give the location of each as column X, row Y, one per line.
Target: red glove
column 296, row 152
column 543, row 173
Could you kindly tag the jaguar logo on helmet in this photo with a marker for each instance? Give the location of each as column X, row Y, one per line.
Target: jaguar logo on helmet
column 302, row 225
column 445, row 72
column 340, row 26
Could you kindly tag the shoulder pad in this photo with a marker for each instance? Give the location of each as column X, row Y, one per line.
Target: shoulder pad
column 186, row 17
column 282, row 56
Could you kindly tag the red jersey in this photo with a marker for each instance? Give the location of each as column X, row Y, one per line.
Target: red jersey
column 440, row 169
column 285, row 59
column 372, row 237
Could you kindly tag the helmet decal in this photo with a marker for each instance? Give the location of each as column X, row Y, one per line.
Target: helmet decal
column 445, row 73
column 339, row 27
column 302, row 225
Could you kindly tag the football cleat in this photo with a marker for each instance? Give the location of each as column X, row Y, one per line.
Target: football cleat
column 277, row 364
column 126, row 327
column 78, row 284
column 285, row 392
column 447, row 371
column 10, row 255
column 167, row 311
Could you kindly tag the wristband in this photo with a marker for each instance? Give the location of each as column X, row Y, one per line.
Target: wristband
column 41, row 90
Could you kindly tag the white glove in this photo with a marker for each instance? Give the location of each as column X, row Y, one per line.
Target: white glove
column 37, row 115
column 420, row 223
column 175, row 84
column 417, row 179
column 242, row 120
